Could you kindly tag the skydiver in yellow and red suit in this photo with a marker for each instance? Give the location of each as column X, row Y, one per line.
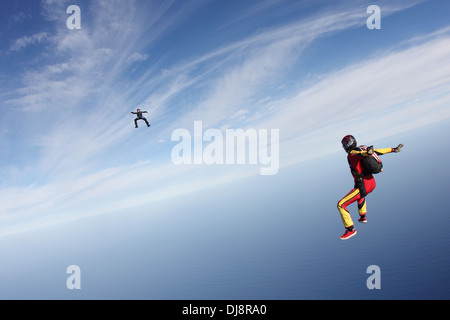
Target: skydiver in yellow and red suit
column 364, row 182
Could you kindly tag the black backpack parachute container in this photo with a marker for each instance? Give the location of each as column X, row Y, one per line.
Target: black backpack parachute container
column 372, row 163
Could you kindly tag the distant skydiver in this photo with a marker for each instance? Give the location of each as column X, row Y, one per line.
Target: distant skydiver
column 140, row 117
column 363, row 163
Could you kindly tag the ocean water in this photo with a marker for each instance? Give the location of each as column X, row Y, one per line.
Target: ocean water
column 261, row 238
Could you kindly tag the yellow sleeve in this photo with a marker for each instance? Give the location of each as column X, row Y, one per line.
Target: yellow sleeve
column 378, row 151
column 362, row 153
column 383, row 150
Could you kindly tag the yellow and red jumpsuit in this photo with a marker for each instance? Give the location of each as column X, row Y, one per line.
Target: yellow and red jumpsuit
column 354, row 160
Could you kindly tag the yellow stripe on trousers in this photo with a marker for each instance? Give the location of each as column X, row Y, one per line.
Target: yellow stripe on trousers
column 345, row 215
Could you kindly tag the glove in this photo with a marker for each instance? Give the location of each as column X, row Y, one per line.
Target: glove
column 399, row 148
column 370, row 150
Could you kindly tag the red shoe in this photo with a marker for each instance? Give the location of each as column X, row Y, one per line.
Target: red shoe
column 362, row 219
column 348, row 234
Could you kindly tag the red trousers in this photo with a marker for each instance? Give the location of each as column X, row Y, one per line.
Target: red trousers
column 353, row 196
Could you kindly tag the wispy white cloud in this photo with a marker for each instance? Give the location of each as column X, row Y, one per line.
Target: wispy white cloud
column 77, row 108
column 381, row 96
column 137, row 57
column 25, row 41
column 239, row 72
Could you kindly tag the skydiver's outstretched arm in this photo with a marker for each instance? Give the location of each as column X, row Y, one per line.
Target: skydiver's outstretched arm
column 364, row 153
column 397, row 149
column 370, row 150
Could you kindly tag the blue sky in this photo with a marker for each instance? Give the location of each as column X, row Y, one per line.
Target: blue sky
column 312, row 69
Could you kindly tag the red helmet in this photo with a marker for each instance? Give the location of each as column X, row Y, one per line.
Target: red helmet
column 349, row 143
